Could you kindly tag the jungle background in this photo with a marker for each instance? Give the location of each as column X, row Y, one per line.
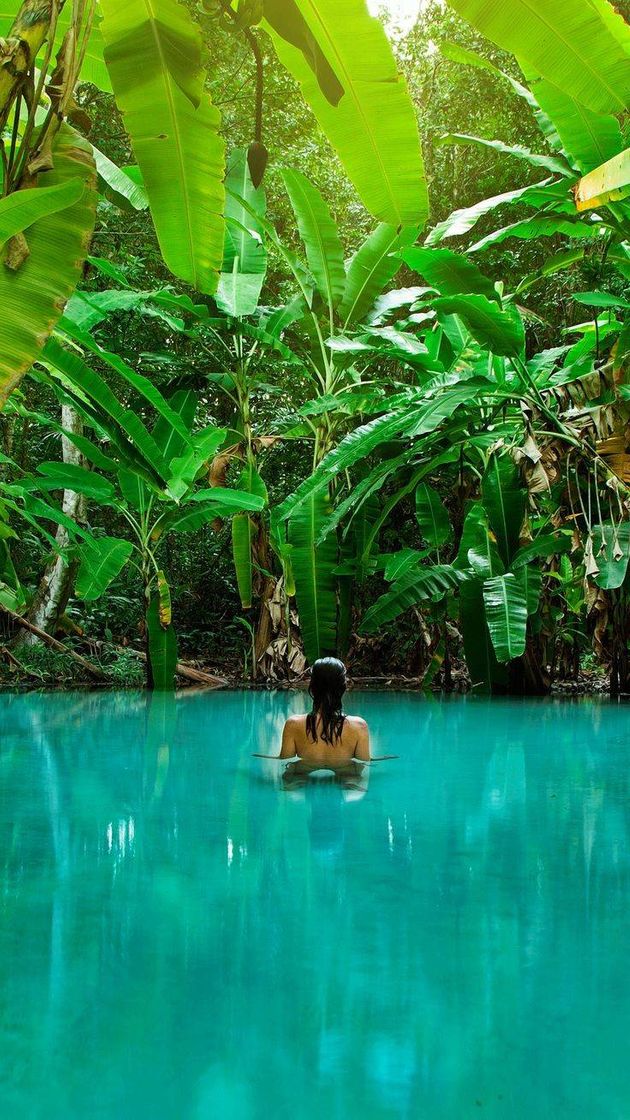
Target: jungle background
column 215, row 632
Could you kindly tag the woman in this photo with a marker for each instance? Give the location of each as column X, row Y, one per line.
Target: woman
column 326, row 737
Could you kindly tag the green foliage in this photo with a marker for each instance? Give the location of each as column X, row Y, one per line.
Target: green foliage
column 392, row 428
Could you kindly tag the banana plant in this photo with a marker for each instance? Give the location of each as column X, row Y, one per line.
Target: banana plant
column 152, row 61
column 148, row 478
column 581, row 138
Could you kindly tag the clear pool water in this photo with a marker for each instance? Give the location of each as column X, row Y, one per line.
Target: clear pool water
column 181, row 938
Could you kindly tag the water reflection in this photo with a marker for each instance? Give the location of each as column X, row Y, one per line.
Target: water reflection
column 211, row 936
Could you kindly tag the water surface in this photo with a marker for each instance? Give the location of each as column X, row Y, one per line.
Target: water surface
column 182, row 939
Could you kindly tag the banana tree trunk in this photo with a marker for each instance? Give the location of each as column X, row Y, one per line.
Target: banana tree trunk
column 19, row 49
column 56, row 584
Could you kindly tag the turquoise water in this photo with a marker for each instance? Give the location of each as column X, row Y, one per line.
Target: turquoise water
column 182, row 938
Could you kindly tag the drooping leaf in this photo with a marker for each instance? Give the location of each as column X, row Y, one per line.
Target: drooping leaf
column 419, row 417
column 118, row 420
column 315, row 583
column 173, row 128
column 432, row 516
column 170, row 439
column 461, row 221
column 242, row 539
column 101, row 560
column 417, row 585
column 451, row 273
column 501, row 331
column 244, row 254
column 133, row 489
column 120, row 184
column 70, row 476
column 581, row 48
column 504, row 499
column 185, row 468
column 485, row 671
column 588, row 138
column 611, row 549
column 478, row 546
column 373, row 127
column 530, row 579
column 505, row 601
column 319, row 234
column 531, row 228
column 543, row 546
column 373, row 265
column 205, row 506
column 537, row 159
column 33, row 296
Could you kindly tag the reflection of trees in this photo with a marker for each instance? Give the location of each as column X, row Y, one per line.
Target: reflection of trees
column 180, row 938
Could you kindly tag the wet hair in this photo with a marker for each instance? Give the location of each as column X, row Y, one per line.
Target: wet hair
column 327, row 686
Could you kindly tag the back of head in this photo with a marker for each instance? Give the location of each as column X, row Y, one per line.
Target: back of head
column 327, row 686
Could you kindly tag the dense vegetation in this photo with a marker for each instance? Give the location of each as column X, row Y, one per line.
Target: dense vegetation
column 315, row 341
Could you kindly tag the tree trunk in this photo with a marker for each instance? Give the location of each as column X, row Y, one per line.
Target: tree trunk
column 55, row 586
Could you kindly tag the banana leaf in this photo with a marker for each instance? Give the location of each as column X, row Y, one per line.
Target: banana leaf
column 432, row 517
column 70, row 476
column 319, row 234
column 587, row 138
column 504, row 500
column 419, row 417
column 32, row 297
column 486, row 674
column 155, row 64
column 185, row 468
column 244, row 255
column 19, row 210
column 75, row 370
column 242, row 539
column 500, row 331
column 580, row 48
column 478, row 547
column 101, row 560
column 451, row 273
column 169, row 439
column 118, row 185
column 529, row 229
column 315, row 584
column 505, row 602
column 417, row 585
column 373, row 126
column 373, row 265
column 461, row 221
column 536, row 159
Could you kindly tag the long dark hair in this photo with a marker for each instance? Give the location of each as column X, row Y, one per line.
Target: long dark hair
column 328, row 684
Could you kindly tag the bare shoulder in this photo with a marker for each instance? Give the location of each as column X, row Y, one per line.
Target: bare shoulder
column 295, row 721
column 357, row 722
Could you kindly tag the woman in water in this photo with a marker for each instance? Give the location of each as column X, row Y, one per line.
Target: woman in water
column 326, row 738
